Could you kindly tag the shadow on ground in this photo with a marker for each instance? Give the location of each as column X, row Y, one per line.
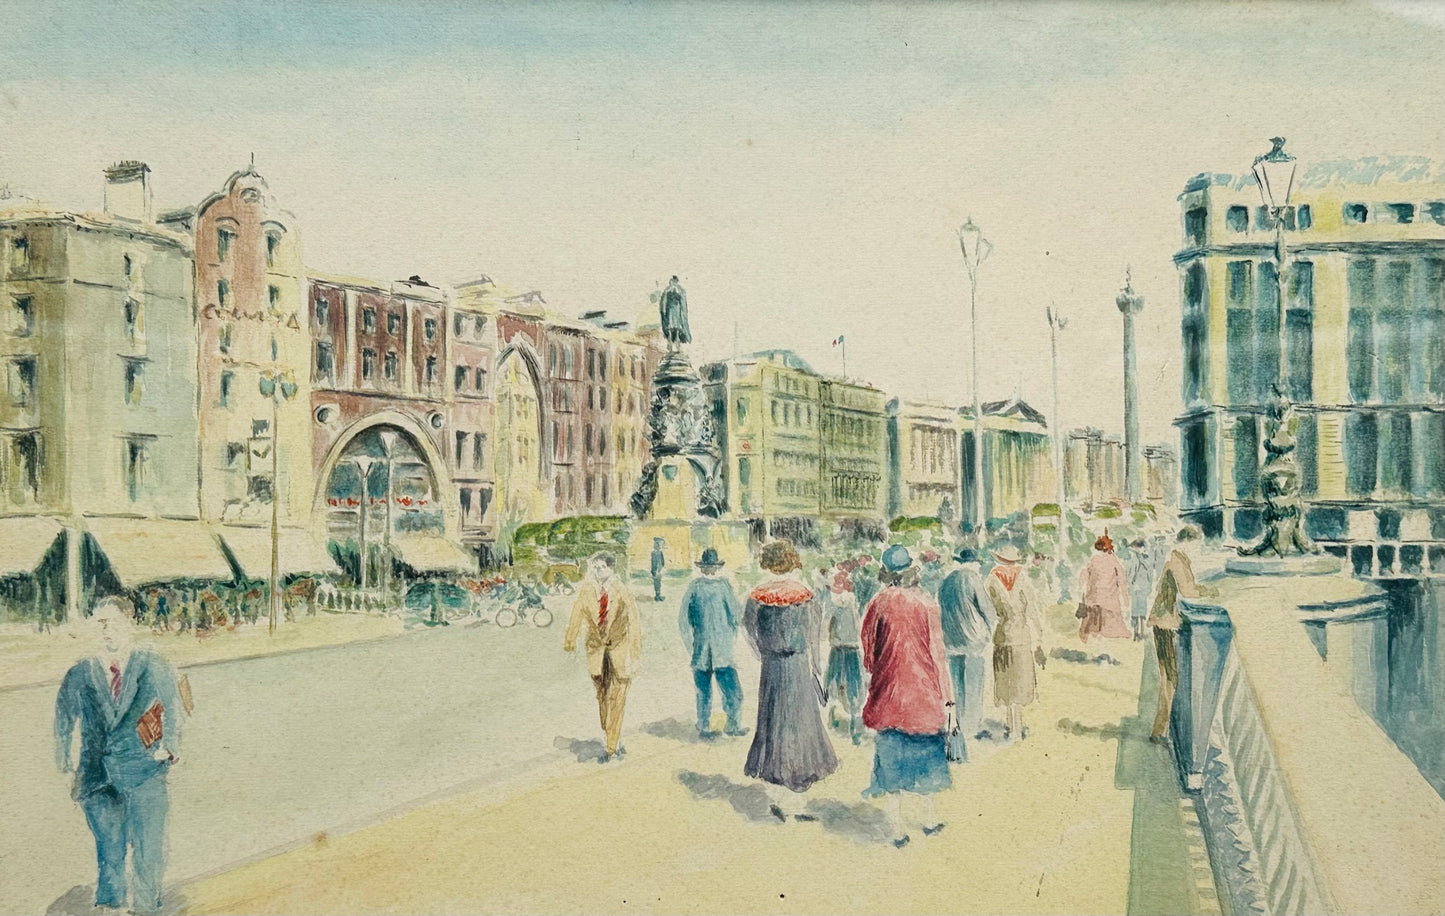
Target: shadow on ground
column 748, row 800
column 674, row 729
column 861, row 822
column 584, row 751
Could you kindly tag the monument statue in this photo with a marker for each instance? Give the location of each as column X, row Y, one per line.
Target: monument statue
column 1279, row 484
column 679, row 422
column 673, row 306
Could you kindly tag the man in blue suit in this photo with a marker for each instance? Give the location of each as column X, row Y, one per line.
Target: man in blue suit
column 709, row 623
column 969, row 619
column 127, row 705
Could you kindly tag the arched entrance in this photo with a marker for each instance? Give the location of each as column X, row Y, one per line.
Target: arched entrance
column 520, row 464
column 382, row 483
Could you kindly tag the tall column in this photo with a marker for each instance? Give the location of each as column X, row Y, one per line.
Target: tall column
column 1130, row 304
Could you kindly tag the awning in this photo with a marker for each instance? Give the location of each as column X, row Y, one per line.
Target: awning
column 141, row 551
column 24, row 541
column 298, row 552
column 433, row 554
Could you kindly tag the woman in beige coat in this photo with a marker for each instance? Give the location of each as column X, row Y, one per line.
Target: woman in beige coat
column 1018, row 638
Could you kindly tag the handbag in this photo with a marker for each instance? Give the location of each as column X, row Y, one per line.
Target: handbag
column 1081, row 612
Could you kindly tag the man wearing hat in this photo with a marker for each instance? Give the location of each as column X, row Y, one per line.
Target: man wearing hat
column 709, row 624
column 968, row 624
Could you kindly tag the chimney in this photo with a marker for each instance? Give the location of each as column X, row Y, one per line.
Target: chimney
column 128, row 191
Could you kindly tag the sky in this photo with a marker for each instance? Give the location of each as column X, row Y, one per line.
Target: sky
column 803, row 167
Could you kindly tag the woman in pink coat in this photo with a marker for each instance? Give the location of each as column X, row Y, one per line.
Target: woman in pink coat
column 1105, row 589
column 902, row 644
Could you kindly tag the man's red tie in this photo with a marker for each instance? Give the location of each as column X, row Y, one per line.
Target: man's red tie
column 602, row 612
column 115, row 681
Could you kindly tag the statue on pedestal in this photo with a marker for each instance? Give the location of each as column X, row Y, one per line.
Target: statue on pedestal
column 1279, row 483
column 679, row 422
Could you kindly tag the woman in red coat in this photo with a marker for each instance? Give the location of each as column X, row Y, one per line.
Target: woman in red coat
column 902, row 643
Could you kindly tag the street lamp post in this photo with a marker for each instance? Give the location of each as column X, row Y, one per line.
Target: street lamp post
column 1279, row 477
column 278, row 385
column 364, row 464
column 1130, row 304
column 388, row 444
column 975, row 249
column 1057, row 323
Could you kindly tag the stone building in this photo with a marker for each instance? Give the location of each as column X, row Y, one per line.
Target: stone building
column 1364, row 356
column 853, row 452
column 98, row 417
column 923, row 470
column 1017, row 466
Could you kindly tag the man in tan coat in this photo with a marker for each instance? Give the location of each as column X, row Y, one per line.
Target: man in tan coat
column 607, row 612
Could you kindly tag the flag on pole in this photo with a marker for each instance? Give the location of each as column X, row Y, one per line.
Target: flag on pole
column 838, row 341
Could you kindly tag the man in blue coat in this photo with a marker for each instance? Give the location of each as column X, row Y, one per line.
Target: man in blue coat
column 969, row 619
column 659, row 566
column 127, row 705
column 709, row 624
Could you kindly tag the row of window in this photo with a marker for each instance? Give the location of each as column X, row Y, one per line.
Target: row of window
column 1301, row 217
column 784, row 413
column 931, row 450
column 473, row 458
column 21, row 317
column 481, row 499
column 561, row 363
column 1396, row 337
column 273, row 296
column 226, row 240
column 598, row 491
column 855, row 489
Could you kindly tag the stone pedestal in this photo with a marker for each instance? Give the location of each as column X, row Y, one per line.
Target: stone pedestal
column 682, row 479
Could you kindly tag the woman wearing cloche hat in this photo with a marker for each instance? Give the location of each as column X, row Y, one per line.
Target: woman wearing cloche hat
column 1018, row 638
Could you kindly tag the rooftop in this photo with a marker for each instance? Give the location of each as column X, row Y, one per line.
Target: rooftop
column 1369, row 170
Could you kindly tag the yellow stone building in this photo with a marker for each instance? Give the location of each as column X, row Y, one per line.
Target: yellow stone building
column 1364, row 353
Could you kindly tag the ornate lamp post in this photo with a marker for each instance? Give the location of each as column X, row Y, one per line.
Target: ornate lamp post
column 1279, row 477
column 975, row 249
column 1057, row 323
column 1130, row 304
column 278, row 385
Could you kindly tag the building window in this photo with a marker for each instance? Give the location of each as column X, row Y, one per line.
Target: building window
column 273, row 298
column 224, row 239
column 1431, row 433
column 1194, row 330
column 1246, row 457
column 480, row 323
column 20, row 468
column 552, row 359
column 1237, row 219
column 1435, row 209
column 568, row 363
column 461, row 440
column 322, row 309
column 389, row 366
column 1401, row 213
column 1194, row 222
column 1361, row 453
column 1356, row 213
column 587, row 440
column 430, row 369
column 429, row 328
column 273, row 244
column 1360, row 368
column 466, row 497
column 22, row 321
column 742, row 409
column 368, row 320
column 1299, row 332
column 591, row 398
column 228, row 382
column 223, row 292
column 1307, row 453
column 125, row 265
column 1427, row 362
column 774, row 406
column 368, row 364
column 1396, row 453
column 134, row 381
column 258, row 488
column 480, row 379
column 1392, row 332
column 325, row 363
column 20, row 255
column 223, row 338
column 459, row 377
column 1306, row 217
column 477, row 439
column 131, row 312
column 135, row 468
column 745, row 471
column 393, row 324
column 601, row 398
column 1194, row 463
column 21, row 381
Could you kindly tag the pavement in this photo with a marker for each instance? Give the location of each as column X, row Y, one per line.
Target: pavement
column 1083, row 816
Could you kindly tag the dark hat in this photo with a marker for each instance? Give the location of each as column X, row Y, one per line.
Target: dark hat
column 965, row 555
column 710, row 560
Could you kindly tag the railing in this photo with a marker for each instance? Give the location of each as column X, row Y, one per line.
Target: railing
column 1307, row 806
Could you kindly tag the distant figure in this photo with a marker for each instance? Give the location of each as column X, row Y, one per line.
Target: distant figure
column 865, row 580
column 673, row 308
column 1139, row 567
column 968, row 625
column 790, row 749
column 1045, row 582
column 659, row 566
column 709, row 624
column 1104, row 588
column 844, row 680
column 1018, row 638
column 930, row 571
column 908, row 694
column 128, row 707
column 1177, row 580
column 605, row 609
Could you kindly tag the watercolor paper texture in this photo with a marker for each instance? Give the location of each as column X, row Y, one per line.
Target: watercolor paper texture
column 713, row 458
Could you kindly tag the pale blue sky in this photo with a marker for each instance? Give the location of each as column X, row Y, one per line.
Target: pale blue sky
column 802, row 166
